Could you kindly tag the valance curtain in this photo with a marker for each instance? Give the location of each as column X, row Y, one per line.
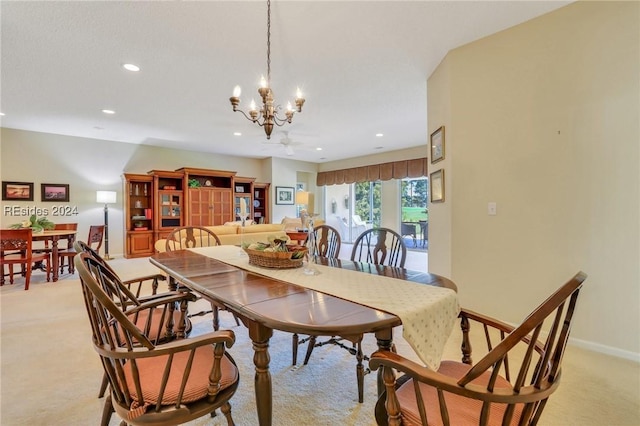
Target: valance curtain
column 414, row 168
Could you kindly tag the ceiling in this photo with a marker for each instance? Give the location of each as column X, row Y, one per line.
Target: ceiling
column 362, row 65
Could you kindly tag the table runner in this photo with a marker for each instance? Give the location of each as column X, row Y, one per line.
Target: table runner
column 427, row 313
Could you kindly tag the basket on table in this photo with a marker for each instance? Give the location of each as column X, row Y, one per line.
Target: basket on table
column 276, row 259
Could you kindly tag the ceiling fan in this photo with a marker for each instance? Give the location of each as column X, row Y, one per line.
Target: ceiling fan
column 286, row 142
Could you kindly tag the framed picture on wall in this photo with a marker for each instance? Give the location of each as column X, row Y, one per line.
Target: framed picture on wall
column 436, row 186
column 18, row 191
column 437, row 145
column 54, row 192
column 284, row 195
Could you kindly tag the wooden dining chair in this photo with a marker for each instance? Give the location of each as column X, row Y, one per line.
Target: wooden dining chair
column 16, row 248
column 377, row 246
column 326, row 242
column 185, row 237
column 380, row 246
column 151, row 381
column 96, row 234
column 323, row 241
column 142, row 288
column 509, row 385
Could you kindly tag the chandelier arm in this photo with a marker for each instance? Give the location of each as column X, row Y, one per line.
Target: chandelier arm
column 246, row 116
column 281, row 121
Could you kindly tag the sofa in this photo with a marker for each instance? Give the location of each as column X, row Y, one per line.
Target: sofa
column 234, row 234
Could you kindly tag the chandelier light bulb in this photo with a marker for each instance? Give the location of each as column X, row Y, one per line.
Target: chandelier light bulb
column 252, row 106
column 298, row 93
column 289, row 108
column 263, row 82
column 237, row 91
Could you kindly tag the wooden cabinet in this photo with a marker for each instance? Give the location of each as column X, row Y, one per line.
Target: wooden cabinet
column 261, row 202
column 169, row 202
column 138, row 211
column 209, row 196
column 242, row 190
column 209, row 206
column 162, row 200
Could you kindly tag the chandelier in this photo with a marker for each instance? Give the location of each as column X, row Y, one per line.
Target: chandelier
column 268, row 115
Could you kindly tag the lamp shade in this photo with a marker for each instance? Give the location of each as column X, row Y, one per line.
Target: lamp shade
column 106, row 197
column 302, row 197
column 305, row 198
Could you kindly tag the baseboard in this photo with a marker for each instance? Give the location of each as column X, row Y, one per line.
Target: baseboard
column 608, row 350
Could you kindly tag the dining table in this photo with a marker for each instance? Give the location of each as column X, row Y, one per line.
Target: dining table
column 311, row 300
column 54, row 236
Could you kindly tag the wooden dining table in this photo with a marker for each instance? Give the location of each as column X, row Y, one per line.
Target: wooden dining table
column 264, row 304
column 54, row 236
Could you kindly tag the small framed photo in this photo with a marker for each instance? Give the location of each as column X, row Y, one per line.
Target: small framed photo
column 54, row 192
column 239, row 189
column 436, row 186
column 284, row 195
column 18, row 191
column 437, row 145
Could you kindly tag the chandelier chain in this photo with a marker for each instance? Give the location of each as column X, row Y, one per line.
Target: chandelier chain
column 269, row 43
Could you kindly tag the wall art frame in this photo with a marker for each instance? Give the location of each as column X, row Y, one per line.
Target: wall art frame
column 285, row 195
column 437, row 145
column 436, row 186
column 56, row 192
column 17, row 191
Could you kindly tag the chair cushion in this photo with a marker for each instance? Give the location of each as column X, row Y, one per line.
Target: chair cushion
column 156, row 332
column 462, row 411
column 151, row 371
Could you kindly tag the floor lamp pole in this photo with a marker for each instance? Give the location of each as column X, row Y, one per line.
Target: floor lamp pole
column 106, row 232
column 106, row 197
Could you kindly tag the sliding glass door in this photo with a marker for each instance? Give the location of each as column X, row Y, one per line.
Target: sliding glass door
column 353, row 208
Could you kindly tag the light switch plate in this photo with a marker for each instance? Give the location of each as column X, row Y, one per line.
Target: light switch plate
column 492, row 208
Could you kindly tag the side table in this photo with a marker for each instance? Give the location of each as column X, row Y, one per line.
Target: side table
column 299, row 236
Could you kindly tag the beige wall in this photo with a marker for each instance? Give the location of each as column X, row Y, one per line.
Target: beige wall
column 88, row 165
column 543, row 120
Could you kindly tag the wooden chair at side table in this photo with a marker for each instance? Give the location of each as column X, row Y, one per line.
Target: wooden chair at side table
column 510, row 385
column 199, row 375
column 380, row 246
column 326, row 243
column 96, row 234
column 185, row 237
column 16, row 248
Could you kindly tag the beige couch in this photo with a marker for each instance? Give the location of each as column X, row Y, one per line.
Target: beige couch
column 234, row 234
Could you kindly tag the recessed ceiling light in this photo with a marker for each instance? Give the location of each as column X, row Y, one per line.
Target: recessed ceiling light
column 131, row 67
column 237, row 134
column 318, row 149
column 379, row 147
column 379, row 135
column 2, row 114
column 108, row 111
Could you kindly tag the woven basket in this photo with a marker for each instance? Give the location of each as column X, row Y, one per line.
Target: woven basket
column 276, row 259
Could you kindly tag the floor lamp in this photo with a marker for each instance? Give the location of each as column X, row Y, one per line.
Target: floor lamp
column 106, row 197
column 305, row 199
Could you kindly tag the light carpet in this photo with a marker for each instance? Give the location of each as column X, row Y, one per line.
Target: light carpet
column 51, row 375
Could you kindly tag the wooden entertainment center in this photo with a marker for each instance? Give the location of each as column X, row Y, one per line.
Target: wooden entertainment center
column 157, row 202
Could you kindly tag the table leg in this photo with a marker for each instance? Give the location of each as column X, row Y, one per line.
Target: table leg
column 54, row 259
column 385, row 343
column 260, row 336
